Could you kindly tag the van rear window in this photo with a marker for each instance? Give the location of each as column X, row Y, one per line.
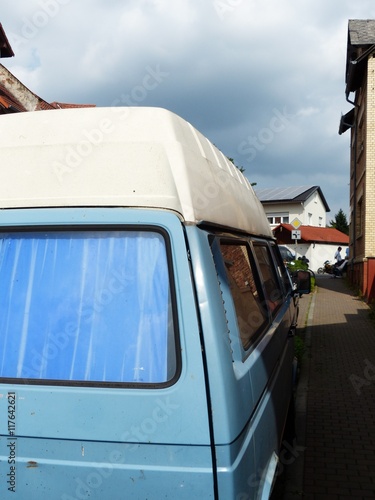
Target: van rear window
column 89, row 307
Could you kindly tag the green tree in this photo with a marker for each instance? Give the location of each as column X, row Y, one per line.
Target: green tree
column 241, row 169
column 341, row 222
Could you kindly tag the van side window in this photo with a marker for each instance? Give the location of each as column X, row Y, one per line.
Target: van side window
column 272, row 286
column 281, row 269
column 87, row 307
column 251, row 315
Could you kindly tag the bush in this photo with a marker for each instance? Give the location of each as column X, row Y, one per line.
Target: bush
column 298, row 264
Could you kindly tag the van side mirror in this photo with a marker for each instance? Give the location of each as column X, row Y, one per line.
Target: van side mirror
column 301, row 281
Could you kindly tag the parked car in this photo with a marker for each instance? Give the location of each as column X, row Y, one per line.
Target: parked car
column 286, row 254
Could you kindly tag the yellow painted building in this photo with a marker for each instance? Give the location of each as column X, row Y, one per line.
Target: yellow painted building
column 360, row 120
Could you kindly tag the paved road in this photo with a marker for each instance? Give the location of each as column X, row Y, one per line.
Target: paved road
column 334, row 456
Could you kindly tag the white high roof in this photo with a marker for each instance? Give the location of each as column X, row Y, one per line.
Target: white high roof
column 127, row 157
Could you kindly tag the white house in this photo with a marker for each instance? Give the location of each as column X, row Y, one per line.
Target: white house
column 302, row 208
column 305, row 204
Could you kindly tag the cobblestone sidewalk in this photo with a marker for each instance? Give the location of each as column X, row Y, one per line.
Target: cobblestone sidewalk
column 335, row 457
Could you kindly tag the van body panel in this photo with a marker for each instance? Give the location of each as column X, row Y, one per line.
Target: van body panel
column 248, row 376
column 61, row 469
column 245, row 465
column 270, row 349
column 256, row 386
column 226, row 384
column 236, row 472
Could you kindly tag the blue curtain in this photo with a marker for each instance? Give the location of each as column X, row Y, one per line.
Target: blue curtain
column 85, row 306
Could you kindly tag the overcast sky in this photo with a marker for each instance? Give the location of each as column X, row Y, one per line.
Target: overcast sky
column 264, row 80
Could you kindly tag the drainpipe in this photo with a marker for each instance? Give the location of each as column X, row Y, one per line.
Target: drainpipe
column 354, row 126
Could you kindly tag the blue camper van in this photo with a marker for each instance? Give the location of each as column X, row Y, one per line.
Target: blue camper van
column 147, row 319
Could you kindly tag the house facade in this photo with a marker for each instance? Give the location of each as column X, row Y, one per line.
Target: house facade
column 360, row 120
column 302, row 208
column 284, row 205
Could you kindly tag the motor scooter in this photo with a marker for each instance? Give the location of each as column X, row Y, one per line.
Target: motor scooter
column 334, row 269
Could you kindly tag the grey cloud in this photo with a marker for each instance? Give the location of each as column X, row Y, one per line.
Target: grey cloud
column 232, row 66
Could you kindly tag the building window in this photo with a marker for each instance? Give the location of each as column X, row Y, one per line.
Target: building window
column 278, row 218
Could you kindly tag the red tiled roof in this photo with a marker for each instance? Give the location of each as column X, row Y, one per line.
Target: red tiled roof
column 63, row 105
column 43, row 105
column 311, row 234
column 8, row 102
column 7, row 80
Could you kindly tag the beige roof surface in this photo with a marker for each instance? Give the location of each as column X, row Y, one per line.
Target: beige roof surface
column 126, row 157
